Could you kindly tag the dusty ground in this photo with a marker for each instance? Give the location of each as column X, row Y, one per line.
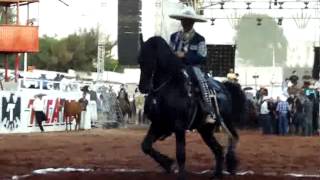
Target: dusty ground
column 270, row 157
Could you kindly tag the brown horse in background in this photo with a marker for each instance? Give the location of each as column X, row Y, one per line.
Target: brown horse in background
column 72, row 109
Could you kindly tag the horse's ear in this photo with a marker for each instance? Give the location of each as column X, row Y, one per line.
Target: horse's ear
column 141, row 38
column 140, row 41
column 140, row 44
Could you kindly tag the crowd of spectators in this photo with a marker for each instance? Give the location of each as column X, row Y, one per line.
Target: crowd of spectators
column 295, row 112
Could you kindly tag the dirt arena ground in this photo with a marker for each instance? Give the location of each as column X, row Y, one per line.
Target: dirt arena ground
column 107, row 152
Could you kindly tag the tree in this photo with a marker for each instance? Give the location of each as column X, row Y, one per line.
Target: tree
column 78, row 51
column 256, row 44
column 52, row 55
column 10, row 15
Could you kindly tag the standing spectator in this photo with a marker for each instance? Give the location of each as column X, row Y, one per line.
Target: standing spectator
column 298, row 117
column 56, row 84
column 1, row 79
column 38, row 105
column 306, row 79
column 83, row 103
column 231, row 75
column 308, row 111
column 315, row 111
column 285, row 85
column 291, row 101
column 294, row 78
column 44, row 81
column 283, row 110
column 265, row 117
column 274, row 118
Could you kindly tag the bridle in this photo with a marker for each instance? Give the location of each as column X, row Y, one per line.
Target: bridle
column 161, row 85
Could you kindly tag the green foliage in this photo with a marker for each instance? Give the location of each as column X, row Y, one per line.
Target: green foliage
column 113, row 65
column 256, row 44
column 10, row 15
column 78, row 51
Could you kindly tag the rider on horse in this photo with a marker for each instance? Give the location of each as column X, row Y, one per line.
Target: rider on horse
column 190, row 47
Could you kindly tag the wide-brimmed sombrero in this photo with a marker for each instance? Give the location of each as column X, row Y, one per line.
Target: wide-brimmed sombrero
column 188, row 13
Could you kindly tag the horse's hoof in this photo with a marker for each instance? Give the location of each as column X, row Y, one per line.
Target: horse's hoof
column 232, row 172
column 169, row 166
column 174, row 168
column 182, row 176
column 231, row 164
column 217, row 176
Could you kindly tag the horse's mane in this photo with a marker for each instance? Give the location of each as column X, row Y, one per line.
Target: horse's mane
column 159, row 49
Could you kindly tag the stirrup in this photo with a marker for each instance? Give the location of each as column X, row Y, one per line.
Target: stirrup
column 210, row 119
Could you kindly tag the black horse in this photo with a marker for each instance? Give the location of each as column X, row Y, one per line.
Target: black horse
column 173, row 108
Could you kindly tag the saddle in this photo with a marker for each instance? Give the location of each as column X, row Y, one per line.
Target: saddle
column 214, row 85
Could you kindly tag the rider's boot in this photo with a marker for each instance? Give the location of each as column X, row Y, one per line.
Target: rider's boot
column 210, row 119
column 205, row 93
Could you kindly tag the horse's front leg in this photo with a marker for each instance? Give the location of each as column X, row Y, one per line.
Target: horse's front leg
column 181, row 153
column 70, row 123
column 164, row 161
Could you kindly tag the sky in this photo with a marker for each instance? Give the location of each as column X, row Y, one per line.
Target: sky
column 56, row 19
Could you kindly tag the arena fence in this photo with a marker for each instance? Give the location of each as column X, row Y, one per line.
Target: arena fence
column 103, row 111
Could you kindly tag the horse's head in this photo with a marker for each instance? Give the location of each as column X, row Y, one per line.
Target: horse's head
column 147, row 61
column 156, row 59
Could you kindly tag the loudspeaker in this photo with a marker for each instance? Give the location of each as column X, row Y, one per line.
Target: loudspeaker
column 129, row 28
column 220, row 59
column 316, row 63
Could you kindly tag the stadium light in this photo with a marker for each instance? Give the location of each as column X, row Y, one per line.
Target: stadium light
column 212, row 21
column 248, row 5
column 259, row 20
column 306, row 4
column 221, row 4
column 280, row 21
column 280, row 5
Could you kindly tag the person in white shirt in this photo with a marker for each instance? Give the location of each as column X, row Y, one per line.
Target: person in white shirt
column 265, row 116
column 38, row 105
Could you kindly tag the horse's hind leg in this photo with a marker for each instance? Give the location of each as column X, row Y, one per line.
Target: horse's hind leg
column 78, row 121
column 231, row 159
column 206, row 133
column 147, row 148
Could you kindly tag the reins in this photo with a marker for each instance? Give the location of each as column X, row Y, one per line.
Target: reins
column 162, row 85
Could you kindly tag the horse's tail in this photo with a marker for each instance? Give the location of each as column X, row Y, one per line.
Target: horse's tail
column 238, row 99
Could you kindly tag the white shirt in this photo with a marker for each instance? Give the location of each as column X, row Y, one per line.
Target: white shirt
column 264, row 108
column 38, row 104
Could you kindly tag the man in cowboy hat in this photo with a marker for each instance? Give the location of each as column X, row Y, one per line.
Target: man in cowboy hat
column 190, row 47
